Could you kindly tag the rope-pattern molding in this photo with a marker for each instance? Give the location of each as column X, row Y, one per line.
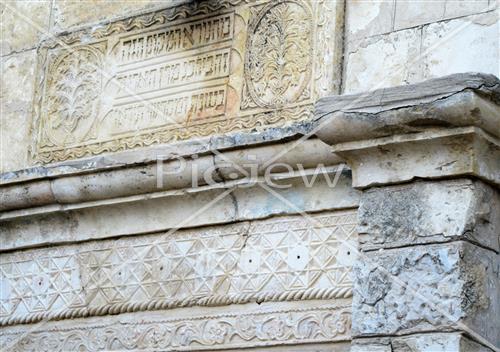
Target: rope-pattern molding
column 159, row 304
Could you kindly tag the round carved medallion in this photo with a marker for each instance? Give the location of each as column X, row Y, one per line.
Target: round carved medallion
column 279, row 53
column 72, row 96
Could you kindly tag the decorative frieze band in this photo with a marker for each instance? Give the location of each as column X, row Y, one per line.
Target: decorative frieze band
column 290, row 324
column 286, row 258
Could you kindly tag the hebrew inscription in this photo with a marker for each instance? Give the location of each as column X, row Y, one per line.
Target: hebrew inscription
column 269, row 260
column 200, row 69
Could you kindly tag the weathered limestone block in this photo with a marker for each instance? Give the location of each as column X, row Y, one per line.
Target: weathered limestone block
column 406, row 56
column 413, row 13
column 429, row 212
column 382, row 61
column 17, row 86
column 368, row 18
column 68, row 14
column 454, row 286
column 444, row 52
column 23, row 25
column 151, row 172
column 435, row 342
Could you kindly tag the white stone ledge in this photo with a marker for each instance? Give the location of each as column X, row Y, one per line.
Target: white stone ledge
column 121, row 178
column 223, row 203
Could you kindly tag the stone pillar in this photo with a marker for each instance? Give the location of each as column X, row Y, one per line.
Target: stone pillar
column 427, row 158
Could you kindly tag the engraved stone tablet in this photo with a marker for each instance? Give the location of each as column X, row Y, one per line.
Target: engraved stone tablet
column 200, row 69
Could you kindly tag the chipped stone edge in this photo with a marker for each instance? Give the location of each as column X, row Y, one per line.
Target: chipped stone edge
column 458, row 100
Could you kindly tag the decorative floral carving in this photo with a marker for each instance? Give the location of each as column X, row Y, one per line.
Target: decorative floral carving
column 220, row 331
column 73, row 95
column 279, row 53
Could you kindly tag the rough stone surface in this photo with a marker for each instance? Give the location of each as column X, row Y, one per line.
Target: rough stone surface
column 443, row 45
column 458, row 152
column 433, row 342
column 461, row 8
column 382, row 61
column 16, row 98
column 413, row 13
column 368, row 18
column 414, row 54
column 24, row 24
column 429, row 212
column 457, row 100
column 427, row 288
column 68, row 13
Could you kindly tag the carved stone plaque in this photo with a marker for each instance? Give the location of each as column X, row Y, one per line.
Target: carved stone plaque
column 200, row 69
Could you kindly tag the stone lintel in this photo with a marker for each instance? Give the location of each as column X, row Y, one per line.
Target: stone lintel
column 146, row 213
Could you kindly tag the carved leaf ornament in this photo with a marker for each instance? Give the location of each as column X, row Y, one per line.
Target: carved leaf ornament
column 279, row 61
column 73, row 95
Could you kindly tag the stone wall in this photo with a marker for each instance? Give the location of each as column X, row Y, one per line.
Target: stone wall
column 389, row 43
column 288, row 175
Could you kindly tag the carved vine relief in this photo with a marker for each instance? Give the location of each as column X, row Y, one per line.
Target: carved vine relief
column 201, row 69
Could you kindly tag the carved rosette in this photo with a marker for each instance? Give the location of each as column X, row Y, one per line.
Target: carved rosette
column 279, row 50
column 72, row 95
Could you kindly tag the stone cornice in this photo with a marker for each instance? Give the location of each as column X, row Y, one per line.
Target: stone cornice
column 459, row 100
column 135, row 173
column 445, row 127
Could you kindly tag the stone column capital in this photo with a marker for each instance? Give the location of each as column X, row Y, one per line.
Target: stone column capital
column 444, row 127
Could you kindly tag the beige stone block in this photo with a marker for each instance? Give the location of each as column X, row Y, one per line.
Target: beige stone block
column 430, row 212
column 383, row 61
column 462, row 45
column 411, row 13
column 70, row 13
column 459, row 8
column 23, row 24
column 368, row 18
column 459, row 152
column 16, row 108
